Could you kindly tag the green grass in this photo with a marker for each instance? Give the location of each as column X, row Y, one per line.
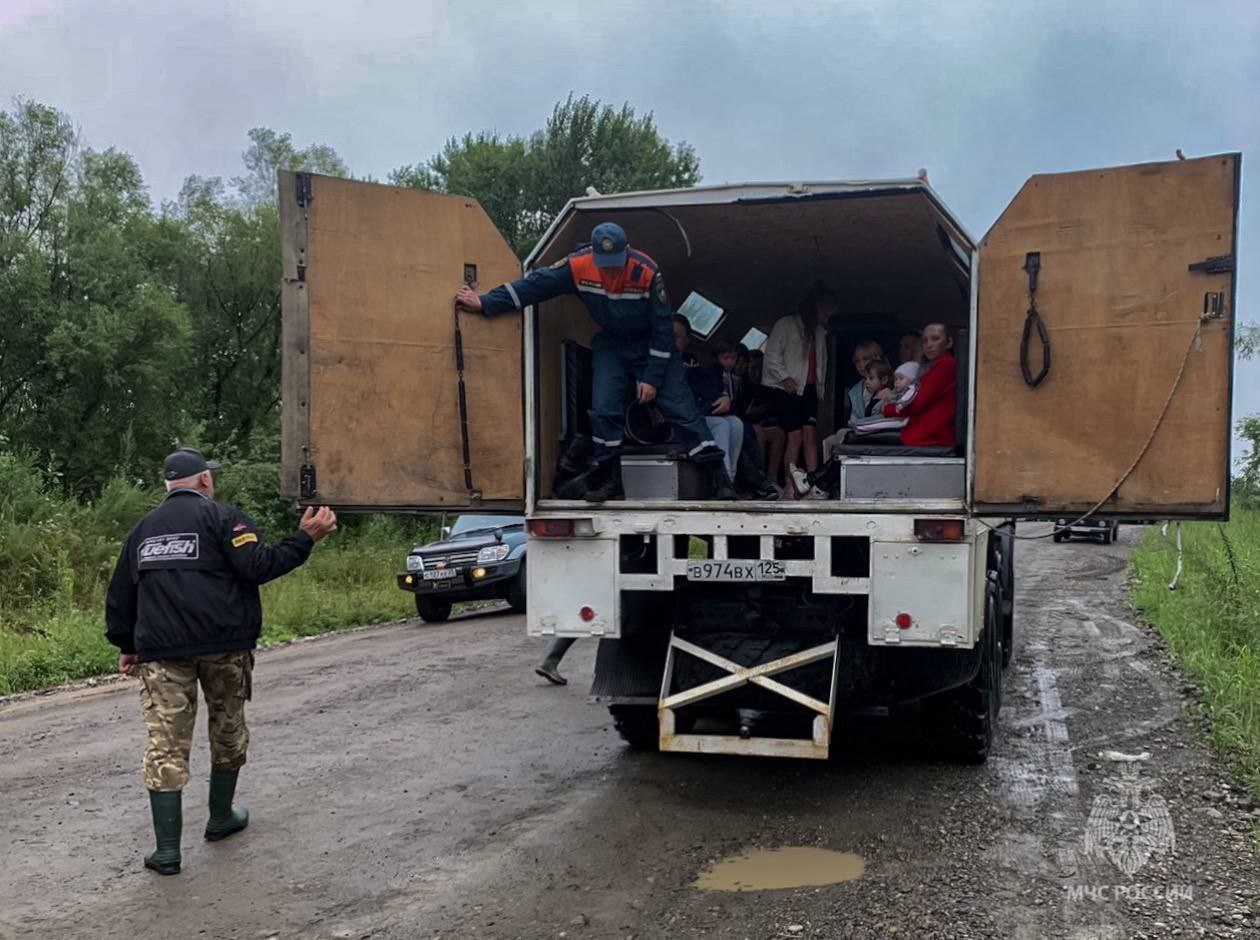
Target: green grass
column 56, row 648
column 1212, row 624
column 342, row 585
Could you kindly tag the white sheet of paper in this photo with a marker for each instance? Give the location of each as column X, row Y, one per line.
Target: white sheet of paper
column 754, row 339
column 703, row 314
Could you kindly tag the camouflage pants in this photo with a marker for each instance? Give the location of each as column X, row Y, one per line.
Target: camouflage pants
column 169, row 701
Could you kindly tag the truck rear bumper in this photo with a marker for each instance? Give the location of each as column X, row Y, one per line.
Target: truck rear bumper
column 916, row 593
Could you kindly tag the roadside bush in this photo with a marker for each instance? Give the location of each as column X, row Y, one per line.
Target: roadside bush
column 252, row 486
column 56, row 553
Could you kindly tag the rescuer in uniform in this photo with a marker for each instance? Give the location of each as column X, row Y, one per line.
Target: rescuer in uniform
column 183, row 609
column 624, row 293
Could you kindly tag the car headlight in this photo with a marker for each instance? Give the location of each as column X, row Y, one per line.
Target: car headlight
column 415, row 563
column 492, row 553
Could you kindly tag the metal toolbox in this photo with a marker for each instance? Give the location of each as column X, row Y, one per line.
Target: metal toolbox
column 661, row 476
column 902, row 478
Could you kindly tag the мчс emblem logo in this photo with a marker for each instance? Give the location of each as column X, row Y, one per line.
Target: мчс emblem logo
column 1130, row 824
column 178, row 546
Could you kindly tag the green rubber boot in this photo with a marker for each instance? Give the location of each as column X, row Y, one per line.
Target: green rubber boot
column 168, row 820
column 225, row 819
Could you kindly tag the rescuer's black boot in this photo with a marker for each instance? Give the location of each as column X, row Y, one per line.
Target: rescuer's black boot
column 605, row 483
column 225, row 818
column 167, row 809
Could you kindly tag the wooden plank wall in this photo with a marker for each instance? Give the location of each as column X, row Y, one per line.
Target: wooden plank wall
column 384, row 263
column 1121, row 307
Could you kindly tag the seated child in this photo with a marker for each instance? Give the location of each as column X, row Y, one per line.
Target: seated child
column 904, row 378
column 874, row 421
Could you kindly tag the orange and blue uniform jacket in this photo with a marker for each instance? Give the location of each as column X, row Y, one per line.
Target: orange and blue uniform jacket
column 636, row 340
column 630, row 305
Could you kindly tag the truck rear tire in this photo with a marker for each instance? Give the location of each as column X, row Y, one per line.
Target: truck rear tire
column 1008, row 638
column 638, row 725
column 1005, row 575
column 965, row 718
column 433, row 609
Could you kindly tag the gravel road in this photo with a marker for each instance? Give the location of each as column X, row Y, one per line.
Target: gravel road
column 420, row 781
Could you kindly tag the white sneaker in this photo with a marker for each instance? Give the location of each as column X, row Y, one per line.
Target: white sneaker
column 816, row 493
column 798, row 479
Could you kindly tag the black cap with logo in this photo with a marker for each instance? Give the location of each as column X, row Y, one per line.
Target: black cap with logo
column 187, row 462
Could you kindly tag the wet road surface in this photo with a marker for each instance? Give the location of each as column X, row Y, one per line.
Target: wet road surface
column 420, row 781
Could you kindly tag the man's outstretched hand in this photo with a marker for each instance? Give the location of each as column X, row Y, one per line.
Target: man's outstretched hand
column 468, row 298
column 318, row 523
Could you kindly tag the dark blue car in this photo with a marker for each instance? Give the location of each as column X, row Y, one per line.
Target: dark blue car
column 480, row 558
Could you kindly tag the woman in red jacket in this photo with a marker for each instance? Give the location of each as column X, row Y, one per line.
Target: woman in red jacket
column 931, row 408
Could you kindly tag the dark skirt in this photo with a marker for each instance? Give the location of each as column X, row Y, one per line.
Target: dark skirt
column 796, row 411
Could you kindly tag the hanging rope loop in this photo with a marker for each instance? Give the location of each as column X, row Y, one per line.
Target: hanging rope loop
column 1032, row 265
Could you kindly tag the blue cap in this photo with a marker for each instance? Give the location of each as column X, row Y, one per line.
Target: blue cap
column 608, row 242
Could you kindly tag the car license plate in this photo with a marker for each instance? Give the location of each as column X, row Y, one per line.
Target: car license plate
column 438, row 574
column 750, row 569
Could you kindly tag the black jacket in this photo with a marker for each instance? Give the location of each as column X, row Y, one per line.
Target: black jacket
column 186, row 583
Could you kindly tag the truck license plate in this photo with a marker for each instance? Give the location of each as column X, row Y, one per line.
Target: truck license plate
column 438, row 574
column 736, row 570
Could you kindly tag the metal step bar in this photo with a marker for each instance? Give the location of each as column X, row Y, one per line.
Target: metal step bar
column 818, row 747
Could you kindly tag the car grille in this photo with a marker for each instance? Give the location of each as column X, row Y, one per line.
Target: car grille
column 453, row 560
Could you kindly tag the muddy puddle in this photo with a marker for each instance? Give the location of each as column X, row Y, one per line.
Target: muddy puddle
column 781, row 868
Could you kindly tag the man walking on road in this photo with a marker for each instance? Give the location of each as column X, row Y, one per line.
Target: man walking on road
column 183, row 608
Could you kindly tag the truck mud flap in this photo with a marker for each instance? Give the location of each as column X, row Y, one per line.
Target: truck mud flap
column 628, row 671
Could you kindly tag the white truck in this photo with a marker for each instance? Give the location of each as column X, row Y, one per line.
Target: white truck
column 1093, row 327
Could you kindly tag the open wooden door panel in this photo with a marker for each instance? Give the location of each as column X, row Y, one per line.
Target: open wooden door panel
column 1135, row 287
column 371, row 389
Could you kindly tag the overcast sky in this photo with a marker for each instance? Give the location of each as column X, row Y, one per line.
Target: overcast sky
column 981, row 94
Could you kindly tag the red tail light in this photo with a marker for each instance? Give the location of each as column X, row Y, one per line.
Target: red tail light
column 904, row 621
column 587, row 614
column 939, row 530
column 551, row 528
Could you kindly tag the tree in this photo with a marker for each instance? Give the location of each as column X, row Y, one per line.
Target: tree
column 1247, row 340
column 493, row 169
column 110, row 398
column 37, row 151
column 91, row 343
column 1247, row 480
column 223, row 255
column 523, row 183
column 124, row 331
column 270, row 152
